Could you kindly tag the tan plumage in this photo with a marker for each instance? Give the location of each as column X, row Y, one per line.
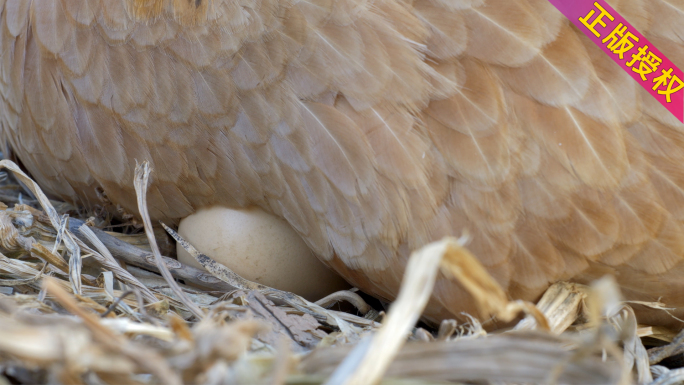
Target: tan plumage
column 371, row 126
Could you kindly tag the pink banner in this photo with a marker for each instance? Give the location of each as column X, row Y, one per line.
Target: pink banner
column 630, row 49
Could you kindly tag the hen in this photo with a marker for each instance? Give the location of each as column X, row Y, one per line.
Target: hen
column 371, row 126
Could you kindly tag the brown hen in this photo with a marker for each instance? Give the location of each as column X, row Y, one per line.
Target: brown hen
column 371, row 126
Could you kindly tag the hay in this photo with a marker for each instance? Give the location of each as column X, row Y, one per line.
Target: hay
column 82, row 306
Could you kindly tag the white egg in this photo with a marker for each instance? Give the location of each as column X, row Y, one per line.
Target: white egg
column 259, row 247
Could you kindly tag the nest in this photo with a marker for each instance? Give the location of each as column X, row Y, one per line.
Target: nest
column 79, row 305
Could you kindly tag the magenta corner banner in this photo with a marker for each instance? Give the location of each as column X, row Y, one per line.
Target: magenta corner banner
column 628, row 48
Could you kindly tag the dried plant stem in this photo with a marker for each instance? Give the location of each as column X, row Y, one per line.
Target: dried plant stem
column 73, row 243
column 449, row 256
column 135, row 256
column 415, row 291
column 33, row 186
column 105, row 259
column 671, row 377
column 560, row 304
column 348, row 296
column 145, row 358
column 142, row 174
column 18, row 282
column 658, row 354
